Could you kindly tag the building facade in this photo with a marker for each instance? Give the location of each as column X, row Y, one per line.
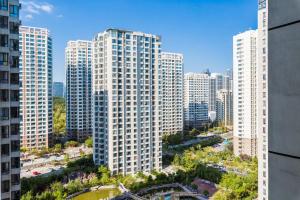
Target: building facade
column 224, row 105
column 172, row 92
column 197, row 100
column 244, row 99
column 79, row 89
column 35, row 87
column 9, row 96
column 283, row 99
column 262, row 100
column 127, row 104
column 58, row 89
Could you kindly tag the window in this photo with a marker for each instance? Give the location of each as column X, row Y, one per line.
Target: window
column 14, row 27
column 4, row 132
column 14, row 44
column 15, row 179
column 5, row 168
column 3, row 22
column 5, row 149
column 15, row 162
column 3, row 40
column 15, row 146
column 3, row 5
column 5, row 186
column 4, row 59
column 14, row 11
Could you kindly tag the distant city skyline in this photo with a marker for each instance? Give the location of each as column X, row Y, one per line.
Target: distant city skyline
column 204, row 39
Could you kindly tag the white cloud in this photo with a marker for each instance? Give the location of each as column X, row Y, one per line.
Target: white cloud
column 29, row 16
column 32, row 7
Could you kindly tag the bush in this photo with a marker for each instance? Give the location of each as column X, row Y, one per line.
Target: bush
column 89, row 142
column 71, row 144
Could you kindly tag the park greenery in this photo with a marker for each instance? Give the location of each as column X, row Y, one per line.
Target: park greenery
column 59, row 116
column 237, row 181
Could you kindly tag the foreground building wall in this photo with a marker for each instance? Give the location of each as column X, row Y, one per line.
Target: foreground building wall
column 244, row 100
column 79, row 89
column 262, row 100
column 284, row 98
column 9, row 101
column 172, row 92
column 127, row 104
column 36, row 87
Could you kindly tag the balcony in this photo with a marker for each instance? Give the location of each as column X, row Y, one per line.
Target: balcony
column 4, row 132
column 5, row 150
column 14, row 112
column 15, row 162
column 15, row 146
column 4, row 113
column 3, row 40
column 15, row 179
column 14, row 27
column 14, row 78
column 14, row 129
column 5, row 168
column 4, row 96
column 14, row 45
column 3, row 24
column 5, row 186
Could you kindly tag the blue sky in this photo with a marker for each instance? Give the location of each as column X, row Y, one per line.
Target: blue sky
column 200, row 29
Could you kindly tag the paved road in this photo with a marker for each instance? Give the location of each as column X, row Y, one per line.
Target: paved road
column 45, row 165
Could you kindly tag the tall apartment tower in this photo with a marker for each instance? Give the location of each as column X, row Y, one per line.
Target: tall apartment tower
column 79, row 89
column 262, row 100
column 244, row 100
column 9, row 106
column 127, row 104
column 58, row 89
column 197, row 99
column 35, row 87
column 172, row 92
column 283, row 99
column 225, row 107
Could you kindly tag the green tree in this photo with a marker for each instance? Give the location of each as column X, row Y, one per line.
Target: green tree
column 71, row 144
column 59, row 116
column 89, row 142
column 57, row 148
column 58, row 191
column 27, row 196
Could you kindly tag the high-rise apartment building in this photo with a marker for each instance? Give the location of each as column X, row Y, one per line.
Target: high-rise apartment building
column 223, row 82
column 127, row 104
column 58, row 89
column 35, row 87
column 224, row 105
column 262, row 100
column 172, row 92
column 199, row 99
column 79, row 89
column 283, row 99
column 9, row 96
column 244, row 100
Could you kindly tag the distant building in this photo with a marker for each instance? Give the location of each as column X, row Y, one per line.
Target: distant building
column 127, row 104
column 244, row 99
column 199, row 99
column 9, row 100
column 172, row 92
column 225, row 107
column 58, row 89
column 79, row 89
column 35, row 87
